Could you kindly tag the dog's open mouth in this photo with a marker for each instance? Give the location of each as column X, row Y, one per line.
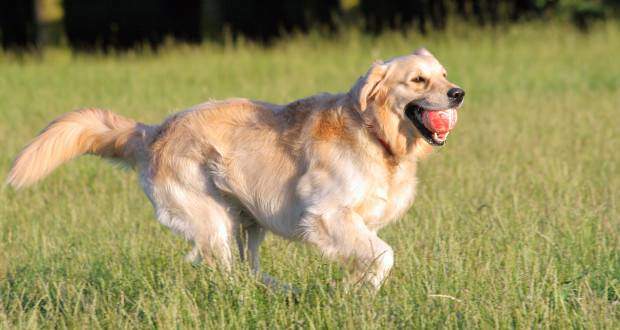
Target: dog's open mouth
column 433, row 125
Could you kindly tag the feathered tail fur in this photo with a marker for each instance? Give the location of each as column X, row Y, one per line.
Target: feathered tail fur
column 87, row 131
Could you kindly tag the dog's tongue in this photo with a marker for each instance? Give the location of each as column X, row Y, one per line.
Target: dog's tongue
column 439, row 121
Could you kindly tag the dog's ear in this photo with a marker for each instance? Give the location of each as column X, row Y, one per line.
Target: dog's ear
column 423, row 52
column 367, row 87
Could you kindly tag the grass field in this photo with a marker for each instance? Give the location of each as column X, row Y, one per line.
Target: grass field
column 516, row 224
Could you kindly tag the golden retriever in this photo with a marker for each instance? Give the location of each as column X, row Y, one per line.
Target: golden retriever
column 329, row 170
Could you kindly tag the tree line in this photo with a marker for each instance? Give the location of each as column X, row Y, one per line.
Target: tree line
column 122, row 24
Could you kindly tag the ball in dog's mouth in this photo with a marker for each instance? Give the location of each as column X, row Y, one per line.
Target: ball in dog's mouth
column 433, row 125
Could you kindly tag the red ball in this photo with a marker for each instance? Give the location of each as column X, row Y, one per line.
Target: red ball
column 440, row 121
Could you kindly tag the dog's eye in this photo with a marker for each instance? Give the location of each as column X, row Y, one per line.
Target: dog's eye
column 418, row 79
column 445, row 75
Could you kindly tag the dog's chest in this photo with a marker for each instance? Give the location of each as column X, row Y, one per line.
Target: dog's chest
column 389, row 197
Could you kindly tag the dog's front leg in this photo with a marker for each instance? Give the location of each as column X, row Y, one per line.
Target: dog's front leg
column 256, row 235
column 250, row 237
column 253, row 236
column 343, row 235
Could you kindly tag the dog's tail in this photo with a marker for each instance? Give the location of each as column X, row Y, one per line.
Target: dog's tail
column 87, row 131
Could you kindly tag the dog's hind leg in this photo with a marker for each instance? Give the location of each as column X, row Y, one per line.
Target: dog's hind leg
column 214, row 231
column 203, row 217
column 342, row 235
column 194, row 256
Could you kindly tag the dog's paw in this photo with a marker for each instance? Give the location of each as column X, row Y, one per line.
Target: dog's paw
column 194, row 257
column 279, row 287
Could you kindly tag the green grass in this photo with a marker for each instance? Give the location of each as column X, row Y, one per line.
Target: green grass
column 516, row 217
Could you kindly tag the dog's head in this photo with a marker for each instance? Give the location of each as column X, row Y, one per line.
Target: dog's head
column 409, row 97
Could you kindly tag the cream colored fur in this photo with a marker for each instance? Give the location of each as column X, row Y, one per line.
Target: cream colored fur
column 328, row 170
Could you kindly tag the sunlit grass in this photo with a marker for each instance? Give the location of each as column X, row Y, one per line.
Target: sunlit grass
column 516, row 218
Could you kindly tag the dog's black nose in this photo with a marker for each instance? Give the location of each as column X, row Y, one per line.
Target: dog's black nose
column 456, row 94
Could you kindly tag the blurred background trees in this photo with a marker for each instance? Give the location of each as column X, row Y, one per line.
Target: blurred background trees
column 122, row 24
column 18, row 24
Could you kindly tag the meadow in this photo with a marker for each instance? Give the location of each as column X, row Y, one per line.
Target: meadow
column 516, row 223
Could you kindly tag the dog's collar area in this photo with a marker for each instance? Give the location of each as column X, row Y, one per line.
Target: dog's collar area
column 383, row 143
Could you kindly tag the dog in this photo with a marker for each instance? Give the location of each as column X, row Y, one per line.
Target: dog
column 329, row 170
